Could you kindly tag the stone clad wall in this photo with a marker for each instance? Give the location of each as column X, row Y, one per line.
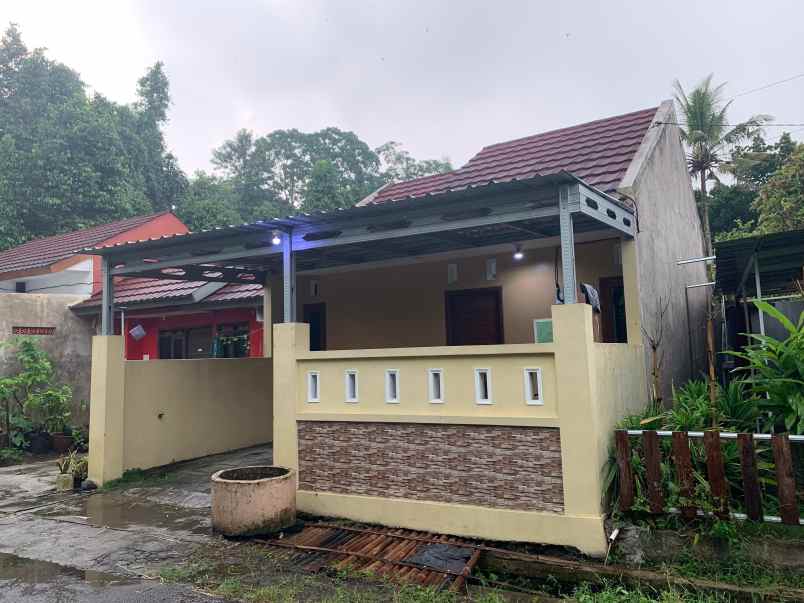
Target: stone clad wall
column 486, row 465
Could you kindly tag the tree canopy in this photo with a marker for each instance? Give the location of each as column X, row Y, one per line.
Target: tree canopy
column 70, row 159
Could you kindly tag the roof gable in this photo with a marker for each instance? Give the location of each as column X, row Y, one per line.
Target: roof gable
column 42, row 253
column 598, row 152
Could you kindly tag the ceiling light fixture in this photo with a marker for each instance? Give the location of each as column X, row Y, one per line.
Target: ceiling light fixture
column 275, row 240
column 518, row 255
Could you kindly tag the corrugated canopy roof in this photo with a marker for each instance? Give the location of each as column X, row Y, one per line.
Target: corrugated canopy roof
column 780, row 257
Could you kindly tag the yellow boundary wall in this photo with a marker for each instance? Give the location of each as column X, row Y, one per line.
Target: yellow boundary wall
column 587, row 387
column 150, row 413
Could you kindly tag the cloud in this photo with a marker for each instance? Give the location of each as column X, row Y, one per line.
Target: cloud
column 443, row 78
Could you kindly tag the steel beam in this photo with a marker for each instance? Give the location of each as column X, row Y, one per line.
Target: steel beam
column 107, row 309
column 565, row 201
column 288, row 279
column 605, row 210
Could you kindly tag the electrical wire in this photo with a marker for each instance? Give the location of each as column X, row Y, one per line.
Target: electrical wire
column 766, row 86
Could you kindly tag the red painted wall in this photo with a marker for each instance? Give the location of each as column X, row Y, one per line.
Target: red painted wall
column 162, row 224
column 135, row 350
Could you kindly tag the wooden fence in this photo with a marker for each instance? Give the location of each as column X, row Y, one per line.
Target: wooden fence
column 715, row 472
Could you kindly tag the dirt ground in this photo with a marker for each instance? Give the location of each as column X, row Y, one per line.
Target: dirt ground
column 108, row 545
column 149, row 538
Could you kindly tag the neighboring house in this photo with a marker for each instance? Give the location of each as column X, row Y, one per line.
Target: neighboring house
column 764, row 267
column 51, row 265
column 41, row 279
column 185, row 319
column 435, row 367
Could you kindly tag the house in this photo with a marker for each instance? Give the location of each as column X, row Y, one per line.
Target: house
column 432, row 363
column 167, row 319
column 763, row 267
column 40, row 280
column 52, row 266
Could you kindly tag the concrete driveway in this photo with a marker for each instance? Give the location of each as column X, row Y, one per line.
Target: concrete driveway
column 104, row 545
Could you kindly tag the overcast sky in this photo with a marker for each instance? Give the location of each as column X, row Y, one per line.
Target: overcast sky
column 444, row 78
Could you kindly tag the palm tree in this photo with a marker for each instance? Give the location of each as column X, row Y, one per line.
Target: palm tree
column 708, row 136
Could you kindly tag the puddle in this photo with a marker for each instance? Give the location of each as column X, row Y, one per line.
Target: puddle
column 30, row 571
column 116, row 511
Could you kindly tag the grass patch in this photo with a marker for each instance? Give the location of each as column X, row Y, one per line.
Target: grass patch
column 248, row 572
column 615, row 593
column 140, row 478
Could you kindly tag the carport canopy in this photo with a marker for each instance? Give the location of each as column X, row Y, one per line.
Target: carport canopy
column 559, row 205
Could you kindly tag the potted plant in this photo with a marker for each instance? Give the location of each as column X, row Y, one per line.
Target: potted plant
column 53, row 405
column 65, row 480
column 32, row 405
column 78, row 468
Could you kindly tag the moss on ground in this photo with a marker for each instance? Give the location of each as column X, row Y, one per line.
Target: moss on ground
column 249, row 572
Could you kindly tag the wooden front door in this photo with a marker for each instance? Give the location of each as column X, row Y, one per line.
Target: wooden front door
column 474, row 316
column 316, row 316
column 612, row 310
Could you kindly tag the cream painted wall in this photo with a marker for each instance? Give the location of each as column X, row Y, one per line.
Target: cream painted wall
column 588, row 386
column 403, row 306
column 148, row 414
column 507, row 364
column 181, row 409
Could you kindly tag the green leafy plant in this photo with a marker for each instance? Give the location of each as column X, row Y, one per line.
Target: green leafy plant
column 64, row 464
column 775, row 372
column 30, row 397
column 10, row 456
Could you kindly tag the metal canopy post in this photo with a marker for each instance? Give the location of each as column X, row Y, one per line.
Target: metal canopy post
column 107, row 310
column 288, row 278
column 758, row 286
column 567, row 244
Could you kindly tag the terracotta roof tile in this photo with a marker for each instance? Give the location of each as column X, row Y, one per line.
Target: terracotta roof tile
column 135, row 290
column 41, row 253
column 599, row 152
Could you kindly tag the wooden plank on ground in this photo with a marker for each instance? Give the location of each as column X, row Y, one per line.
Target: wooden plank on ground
column 786, row 483
column 686, row 482
column 716, row 473
column 576, row 572
column 653, row 470
column 751, row 489
column 623, row 456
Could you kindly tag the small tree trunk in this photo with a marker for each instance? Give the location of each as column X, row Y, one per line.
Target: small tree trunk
column 657, row 382
column 710, row 357
column 707, row 233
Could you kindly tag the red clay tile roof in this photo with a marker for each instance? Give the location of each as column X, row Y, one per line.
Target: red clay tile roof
column 41, row 253
column 598, row 152
column 135, row 290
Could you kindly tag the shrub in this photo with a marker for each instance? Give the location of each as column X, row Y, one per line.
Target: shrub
column 775, row 372
column 30, row 398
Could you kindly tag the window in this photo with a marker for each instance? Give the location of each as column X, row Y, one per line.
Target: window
column 533, row 386
column 435, row 386
column 483, row 386
column 232, row 341
column 20, row 287
column 313, row 386
column 491, row 269
column 351, row 385
column 392, row 386
column 185, row 343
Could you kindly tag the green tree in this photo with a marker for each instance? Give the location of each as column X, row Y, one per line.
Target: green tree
column 208, row 202
column 69, row 160
column 780, row 203
column 398, row 164
column 243, row 163
column 708, row 136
